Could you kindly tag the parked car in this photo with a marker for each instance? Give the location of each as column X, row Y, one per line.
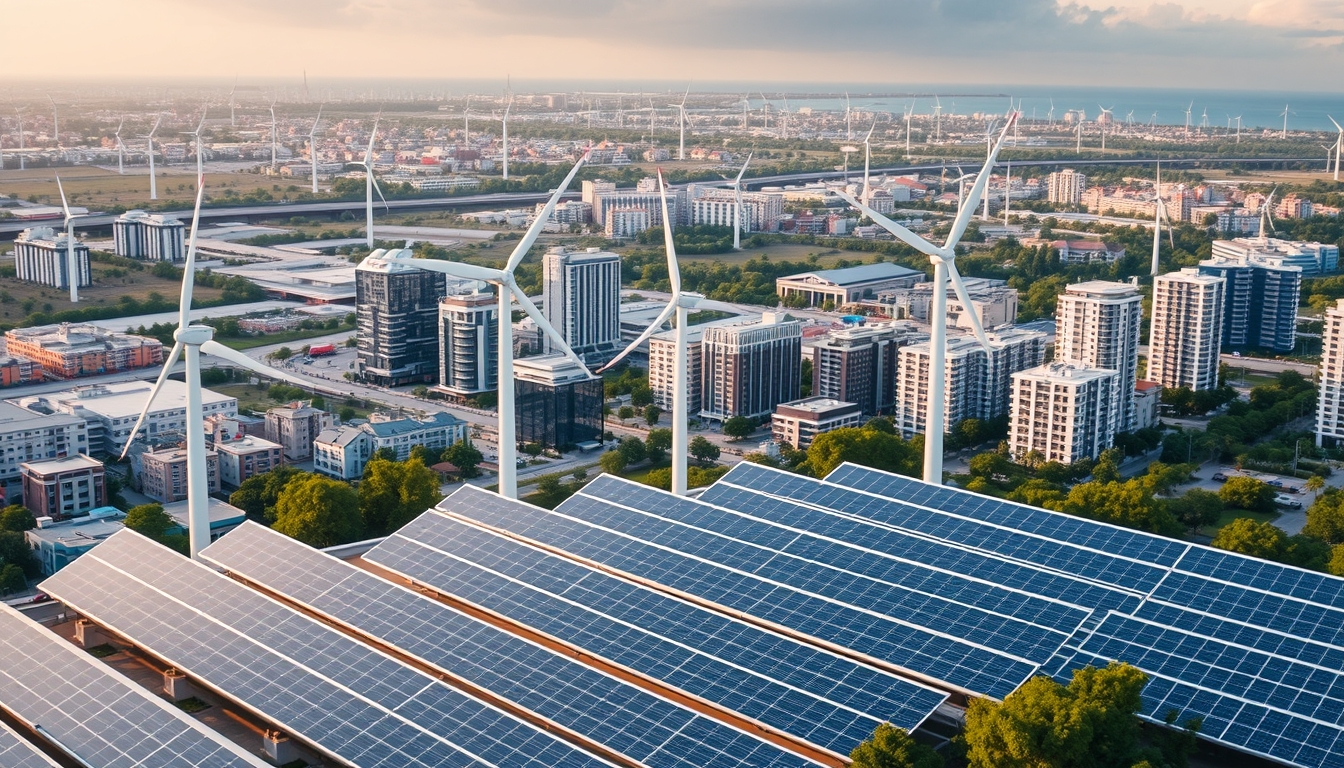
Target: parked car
column 1274, row 483
column 1220, row 477
column 1287, row 501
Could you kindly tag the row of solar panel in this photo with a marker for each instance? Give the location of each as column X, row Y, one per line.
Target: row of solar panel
column 100, row 716
column 598, row 706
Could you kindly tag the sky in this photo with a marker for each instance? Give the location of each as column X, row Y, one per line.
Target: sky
column 1295, row 45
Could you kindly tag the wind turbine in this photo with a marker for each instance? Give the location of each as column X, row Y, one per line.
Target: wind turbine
column 1339, row 145
column 680, row 304
column 274, row 128
column 370, row 184
column 71, row 267
column 312, row 146
column 504, row 134
column 867, row 160
column 153, row 182
column 1051, row 115
column 681, row 122
column 195, row 339
column 937, row 119
column 466, row 122
column 55, row 122
column 944, row 270
column 1238, row 119
column 1267, row 215
column 1079, row 129
column 121, row 149
column 1160, row 215
column 507, row 290
column 1204, row 121
column 1187, row 119
column 1284, row 135
column 737, row 205
column 849, row 132
column 910, row 110
column 746, row 104
column 22, row 159
column 200, row 162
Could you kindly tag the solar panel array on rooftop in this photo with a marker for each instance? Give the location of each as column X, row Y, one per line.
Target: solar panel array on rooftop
column 16, row 752
column 645, row 728
column 345, row 699
column 1254, row 648
column 818, row 696
column 100, row 716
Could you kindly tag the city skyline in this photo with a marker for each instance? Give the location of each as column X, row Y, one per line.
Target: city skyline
column 1192, row 43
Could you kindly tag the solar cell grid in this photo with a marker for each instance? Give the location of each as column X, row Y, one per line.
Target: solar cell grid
column 564, row 691
column 353, row 702
column 16, row 752
column 1264, row 575
column 1252, row 606
column 101, row 716
column 814, row 694
column 935, row 654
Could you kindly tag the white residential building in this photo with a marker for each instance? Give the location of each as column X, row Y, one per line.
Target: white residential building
column 582, row 300
column 469, row 338
column 1330, row 402
column 798, row 423
column 1065, row 411
column 748, row 369
column 627, row 222
column 1066, row 187
column 40, row 257
column 29, row 436
column 1186, row 335
column 993, row 301
column 140, row 235
column 1097, row 324
column 977, row 384
column 345, row 450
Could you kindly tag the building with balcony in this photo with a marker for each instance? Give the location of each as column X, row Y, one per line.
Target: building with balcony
column 1065, row 411
column 41, row 256
column 1097, row 324
column 397, row 310
column 1187, row 328
column 748, row 369
column 1260, row 301
column 163, row 473
column 147, row 236
column 63, row 488
column 67, row 351
column 295, row 426
column 798, row 423
column 469, row 337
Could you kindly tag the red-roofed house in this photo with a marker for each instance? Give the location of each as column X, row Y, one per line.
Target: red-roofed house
column 1087, row 251
column 1147, row 394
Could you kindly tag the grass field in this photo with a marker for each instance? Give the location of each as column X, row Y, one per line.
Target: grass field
column 105, row 290
column 96, row 188
column 284, row 337
column 1233, row 514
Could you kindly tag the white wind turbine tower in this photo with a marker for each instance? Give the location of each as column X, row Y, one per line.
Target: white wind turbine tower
column 370, row 184
column 153, row 182
column 1284, row 135
column 680, row 304
column 1238, row 119
column 121, row 149
column 746, row 104
column 195, row 339
column 937, row 119
column 1339, row 145
column 22, row 159
column 867, row 160
column 737, row 206
column 274, row 128
column 784, row 118
column 1204, row 121
column 681, row 122
column 1159, row 215
column 312, row 146
column 944, row 270
column 196, row 134
column 910, row 110
column 1267, row 215
column 71, row 266
column 233, row 122
column 466, row 122
column 55, row 122
column 1051, row 115
column 849, row 132
column 1187, row 119
column 504, row 136
column 507, row 290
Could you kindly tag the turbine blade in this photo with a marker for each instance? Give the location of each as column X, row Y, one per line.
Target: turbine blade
column 900, row 232
column 64, row 206
column 960, row 287
column 458, row 269
column 534, row 231
column 978, row 189
column 742, row 172
column 673, row 269
column 378, row 189
column 653, row 328
column 158, row 384
column 540, row 320
column 241, row 360
column 189, row 268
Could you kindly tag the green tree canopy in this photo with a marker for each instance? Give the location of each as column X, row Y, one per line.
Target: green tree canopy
column 1325, row 518
column 1250, row 537
column 868, row 447
column 1247, row 493
column 12, row 579
column 703, row 450
column 651, row 414
column 1130, row 504
column 14, row 550
column 257, row 494
column 892, row 747
column 149, row 520
column 17, row 518
column 393, row 493
column 632, row 449
column 658, row 443
column 612, row 462
column 738, row 427
column 319, row 511
column 1196, row 508
column 465, row 456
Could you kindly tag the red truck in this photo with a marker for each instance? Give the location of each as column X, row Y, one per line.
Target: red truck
column 318, row 350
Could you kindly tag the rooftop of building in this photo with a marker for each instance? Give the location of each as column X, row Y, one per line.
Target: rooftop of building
column 1058, row 371
column 587, row 253
column 120, row 399
column 377, row 261
column 138, row 215
column 84, row 531
column 396, row 427
column 221, row 513
column 1146, row 386
column 551, row 370
column 64, row 337
column 864, row 273
column 246, row 444
column 1190, row 275
column 341, row 436
column 819, row 406
column 70, row 463
column 296, row 409
column 1104, row 288
column 14, row 418
column 1261, row 260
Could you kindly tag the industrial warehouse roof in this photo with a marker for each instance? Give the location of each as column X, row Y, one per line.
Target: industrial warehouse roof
column 853, row 276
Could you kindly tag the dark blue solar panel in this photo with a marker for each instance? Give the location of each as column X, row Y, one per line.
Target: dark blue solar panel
column 564, row 691
column 858, row 533
column 1142, row 547
column 325, row 688
column 104, row 718
column 1251, row 606
column 889, row 638
column 816, row 695
column 17, row 753
column 1265, row 575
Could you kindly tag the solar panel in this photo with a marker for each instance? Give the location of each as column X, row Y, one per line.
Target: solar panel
column 605, row 709
column 354, row 704
column 815, row 695
column 96, row 713
column 645, row 552
column 15, row 752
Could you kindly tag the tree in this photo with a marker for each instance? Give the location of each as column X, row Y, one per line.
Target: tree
column 641, row 395
column 347, row 413
column 1307, row 552
column 1325, row 518
column 892, row 747
column 632, row 449
column 386, row 454
column 17, row 518
column 658, row 443
column 1107, row 468
column 465, row 456
column 612, row 462
column 1247, row 493
column 392, row 493
column 14, row 550
column 257, row 494
column 1314, row 484
column 12, row 579
column 702, row 450
column 1130, row 504
column 1090, row 722
column 651, row 414
column 149, row 520
column 283, row 353
column 1336, row 566
column 738, row 427
column 625, row 412
column 1196, row 509
column 424, row 455
column 1250, row 537
column 319, row 511
column 868, row 447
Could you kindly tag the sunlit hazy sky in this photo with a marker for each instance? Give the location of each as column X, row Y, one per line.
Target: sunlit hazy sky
column 1253, row 44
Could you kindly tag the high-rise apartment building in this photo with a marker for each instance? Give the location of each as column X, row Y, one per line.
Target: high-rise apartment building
column 582, row 300
column 977, row 384
column 1065, row 411
column 397, row 307
column 1097, row 324
column 140, row 235
column 469, row 337
column 748, row 369
column 1066, row 186
column 858, row 365
column 1187, row 329
column 1330, row 401
column 1260, row 298
column 1313, row 258
column 40, row 257
column 557, row 402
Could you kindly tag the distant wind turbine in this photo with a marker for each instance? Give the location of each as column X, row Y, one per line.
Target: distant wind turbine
column 504, row 136
column 55, row 122
column 149, row 137
column 121, row 149
column 738, row 217
column 196, row 134
column 1339, row 145
column 370, row 184
column 312, row 146
column 681, row 122
column 71, row 265
column 1159, row 215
